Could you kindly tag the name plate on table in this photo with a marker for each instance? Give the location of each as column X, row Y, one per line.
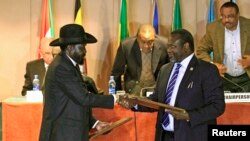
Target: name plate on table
column 237, row 97
column 34, row 96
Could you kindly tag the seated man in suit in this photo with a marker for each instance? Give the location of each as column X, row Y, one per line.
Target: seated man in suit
column 139, row 59
column 38, row 66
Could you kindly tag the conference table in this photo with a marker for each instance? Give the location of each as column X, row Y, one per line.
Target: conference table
column 21, row 120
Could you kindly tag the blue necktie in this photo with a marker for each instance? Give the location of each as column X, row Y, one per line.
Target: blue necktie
column 169, row 92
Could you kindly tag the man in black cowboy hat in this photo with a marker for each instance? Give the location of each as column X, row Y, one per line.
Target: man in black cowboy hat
column 67, row 112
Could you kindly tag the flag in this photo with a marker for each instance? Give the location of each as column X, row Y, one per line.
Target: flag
column 211, row 12
column 78, row 20
column 176, row 23
column 47, row 24
column 211, row 18
column 78, row 12
column 155, row 18
column 123, row 25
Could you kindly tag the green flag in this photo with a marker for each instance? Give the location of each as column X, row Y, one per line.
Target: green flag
column 123, row 26
column 177, row 24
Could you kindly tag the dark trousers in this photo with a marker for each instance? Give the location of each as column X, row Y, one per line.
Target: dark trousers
column 167, row 136
column 236, row 83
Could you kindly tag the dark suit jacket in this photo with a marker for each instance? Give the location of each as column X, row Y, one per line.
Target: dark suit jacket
column 67, row 112
column 204, row 101
column 214, row 41
column 32, row 68
column 128, row 61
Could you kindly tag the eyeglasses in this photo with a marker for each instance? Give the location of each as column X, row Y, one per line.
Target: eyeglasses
column 146, row 42
column 229, row 17
column 171, row 46
column 174, row 45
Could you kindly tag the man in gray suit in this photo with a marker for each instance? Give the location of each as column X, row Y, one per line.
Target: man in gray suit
column 139, row 59
column 38, row 66
column 229, row 40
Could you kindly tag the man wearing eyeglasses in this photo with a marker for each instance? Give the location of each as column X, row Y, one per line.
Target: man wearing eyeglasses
column 229, row 40
column 139, row 59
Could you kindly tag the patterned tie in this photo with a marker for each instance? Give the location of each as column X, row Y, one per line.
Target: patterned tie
column 169, row 92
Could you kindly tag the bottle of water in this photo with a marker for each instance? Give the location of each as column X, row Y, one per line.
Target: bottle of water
column 35, row 83
column 112, row 85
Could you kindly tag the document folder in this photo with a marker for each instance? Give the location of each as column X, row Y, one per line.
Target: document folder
column 111, row 127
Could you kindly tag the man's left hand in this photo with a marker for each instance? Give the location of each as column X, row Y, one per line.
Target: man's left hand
column 101, row 125
column 245, row 61
column 178, row 115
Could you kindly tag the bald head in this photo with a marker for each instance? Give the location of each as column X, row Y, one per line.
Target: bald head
column 146, row 37
column 146, row 31
column 46, row 50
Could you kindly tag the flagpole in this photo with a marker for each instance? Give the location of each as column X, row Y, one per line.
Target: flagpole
column 155, row 17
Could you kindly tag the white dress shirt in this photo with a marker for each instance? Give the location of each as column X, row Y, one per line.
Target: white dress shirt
column 184, row 64
column 232, row 52
column 46, row 67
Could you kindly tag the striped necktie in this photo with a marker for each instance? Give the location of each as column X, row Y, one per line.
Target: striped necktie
column 169, row 92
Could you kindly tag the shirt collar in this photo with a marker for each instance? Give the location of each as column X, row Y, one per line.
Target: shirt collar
column 74, row 63
column 184, row 63
column 46, row 65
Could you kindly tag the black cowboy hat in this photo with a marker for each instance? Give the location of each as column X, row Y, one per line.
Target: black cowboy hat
column 73, row 34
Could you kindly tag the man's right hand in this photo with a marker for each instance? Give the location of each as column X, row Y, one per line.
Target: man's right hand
column 221, row 67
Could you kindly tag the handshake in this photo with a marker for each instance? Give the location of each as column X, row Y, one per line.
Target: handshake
column 129, row 101
column 126, row 100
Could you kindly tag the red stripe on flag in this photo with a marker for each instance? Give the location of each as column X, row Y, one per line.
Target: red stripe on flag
column 45, row 22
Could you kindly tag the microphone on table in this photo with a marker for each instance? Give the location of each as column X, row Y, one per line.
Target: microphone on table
column 134, row 87
column 235, row 84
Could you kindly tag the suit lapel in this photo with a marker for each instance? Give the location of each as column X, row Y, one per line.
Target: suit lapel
column 166, row 74
column 221, row 36
column 41, row 71
column 243, row 36
column 220, row 39
column 156, row 54
column 137, row 53
column 189, row 71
